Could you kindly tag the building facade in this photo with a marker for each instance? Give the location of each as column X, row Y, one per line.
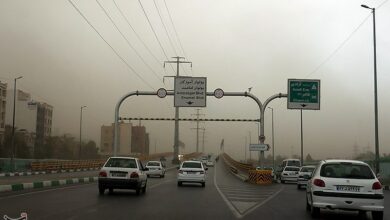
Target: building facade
column 32, row 118
column 43, row 122
column 107, row 139
column 3, row 104
column 140, row 140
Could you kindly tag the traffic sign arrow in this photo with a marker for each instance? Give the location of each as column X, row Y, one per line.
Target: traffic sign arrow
column 303, row 105
column 190, row 103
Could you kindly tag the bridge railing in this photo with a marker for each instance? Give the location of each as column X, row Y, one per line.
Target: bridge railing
column 260, row 177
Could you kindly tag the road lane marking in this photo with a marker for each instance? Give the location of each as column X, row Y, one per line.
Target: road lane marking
column 242, row 201
column 231, row 207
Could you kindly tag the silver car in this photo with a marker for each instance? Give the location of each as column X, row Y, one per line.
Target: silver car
column 304, row 175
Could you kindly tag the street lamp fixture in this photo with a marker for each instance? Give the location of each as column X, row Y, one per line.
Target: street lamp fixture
column 377, row 164
column 81, row 121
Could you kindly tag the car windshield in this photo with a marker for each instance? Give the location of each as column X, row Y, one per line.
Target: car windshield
column 346, row 170
column 294, row 163
column 291, row 169
column 153, row 164
column 121, row 162
column 191, row 165
column 307, row 169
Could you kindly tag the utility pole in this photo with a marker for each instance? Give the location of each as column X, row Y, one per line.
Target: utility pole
column 13, row 155
column 197, row 128
column 176, row 136
column 301, row 139
column 81, row 121
column 204, row 130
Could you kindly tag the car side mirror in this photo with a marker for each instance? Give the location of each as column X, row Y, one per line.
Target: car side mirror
column 177, row 167
column 146, row 169
column 378, row 175
column 206, row 168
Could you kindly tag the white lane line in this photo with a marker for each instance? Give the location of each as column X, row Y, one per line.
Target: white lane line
column 265, row 201
column 255, row 199
column 228, row 203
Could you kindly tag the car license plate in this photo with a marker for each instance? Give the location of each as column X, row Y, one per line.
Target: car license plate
column 348, row 188
column 118, row 174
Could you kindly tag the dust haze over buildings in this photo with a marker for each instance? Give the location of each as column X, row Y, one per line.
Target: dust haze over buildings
column 235, row 44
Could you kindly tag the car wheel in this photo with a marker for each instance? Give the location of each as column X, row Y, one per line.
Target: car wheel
column 101, row 190
column 179, row 183
column 362, row 214
column 315, row 211
column 144, row 189
column 282, row 181
column 148, row 175
column 203, row 184
column 137, row 191
column 308, row 208
column 377, row 215
column 298, row 186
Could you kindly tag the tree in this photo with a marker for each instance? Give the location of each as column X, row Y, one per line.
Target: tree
column 89, row 151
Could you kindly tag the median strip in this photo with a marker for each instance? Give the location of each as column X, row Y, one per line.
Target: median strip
column 48, row 183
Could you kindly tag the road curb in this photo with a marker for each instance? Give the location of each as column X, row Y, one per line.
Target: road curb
column 44, row 172
column 48, row 183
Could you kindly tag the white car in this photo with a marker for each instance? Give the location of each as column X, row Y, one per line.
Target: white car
column 304, row 175
column 155, row 168
column 122, row 173
column 289, row 173
column 346, row 185
column 191, row 172
column 210, row 163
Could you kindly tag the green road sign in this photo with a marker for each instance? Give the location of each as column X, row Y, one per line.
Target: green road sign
column 303, row 94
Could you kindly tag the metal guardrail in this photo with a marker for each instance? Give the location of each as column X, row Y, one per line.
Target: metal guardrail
column 83, row 164
column 261, row 177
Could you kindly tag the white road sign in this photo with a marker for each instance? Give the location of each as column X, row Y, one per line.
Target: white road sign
column 258, row 147
column 190, row 91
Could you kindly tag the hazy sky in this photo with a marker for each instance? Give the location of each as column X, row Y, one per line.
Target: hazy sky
column 235, row 44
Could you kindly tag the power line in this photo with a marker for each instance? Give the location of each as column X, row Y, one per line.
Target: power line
column 339, row 47
column 177, row 36
column 166, row 32
column 154, row 32
column 174, row 28
column 165, row 28
column 127, row 41
column 136, row 34
column 116, row 53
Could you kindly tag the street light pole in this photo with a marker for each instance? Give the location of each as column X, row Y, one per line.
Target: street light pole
column 273, row 142
column 13, row 128
column 81, row 121
column 377, row 164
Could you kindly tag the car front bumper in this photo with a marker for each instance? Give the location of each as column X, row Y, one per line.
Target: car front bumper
column 348, row 201
column 302, row 182
column 289, row 178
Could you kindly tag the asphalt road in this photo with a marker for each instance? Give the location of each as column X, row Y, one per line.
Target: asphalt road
column 224, row 197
